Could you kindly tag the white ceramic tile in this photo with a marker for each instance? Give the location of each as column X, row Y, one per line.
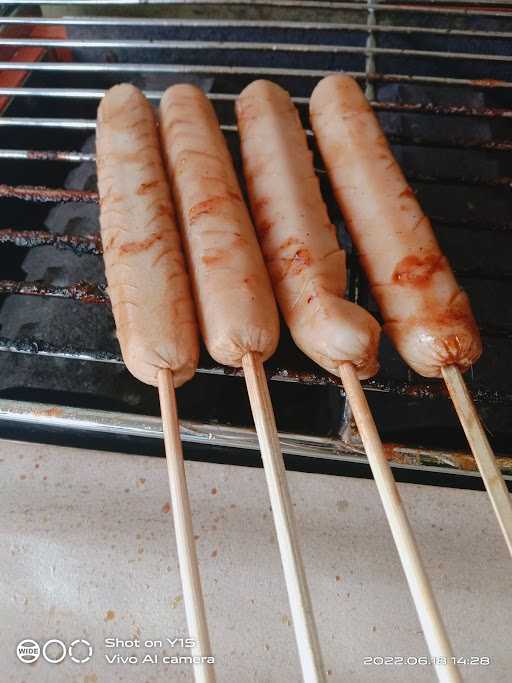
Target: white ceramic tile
column 88, row 552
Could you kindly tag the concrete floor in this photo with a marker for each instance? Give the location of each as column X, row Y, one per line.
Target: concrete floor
column 88, row 552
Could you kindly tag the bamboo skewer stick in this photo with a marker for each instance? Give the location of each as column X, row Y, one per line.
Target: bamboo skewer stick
column 189, row 568
column 481, row 449
column 419, row 585
column 295, row 577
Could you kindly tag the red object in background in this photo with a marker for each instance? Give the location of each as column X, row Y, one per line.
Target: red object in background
column 14, row 79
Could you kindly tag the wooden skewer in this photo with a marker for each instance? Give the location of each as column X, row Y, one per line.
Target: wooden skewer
column 295, row 577
column 481, row 448
column 189, row 568
column 419, row 585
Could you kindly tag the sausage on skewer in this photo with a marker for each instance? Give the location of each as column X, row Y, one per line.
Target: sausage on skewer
column 151, row 302
column 147, row 279
column 236, row 308
column 426, row 314
column 298, row 240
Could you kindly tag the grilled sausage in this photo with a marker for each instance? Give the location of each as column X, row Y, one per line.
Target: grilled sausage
column 306, row 264
column 147, row 280
column 236, row 308
column 426, row 314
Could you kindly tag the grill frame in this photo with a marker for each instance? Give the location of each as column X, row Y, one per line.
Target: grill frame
column 348, row 443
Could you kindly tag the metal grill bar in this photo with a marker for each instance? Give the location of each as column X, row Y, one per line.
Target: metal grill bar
column 441, row 3
column 46, row 155
column 76, row 124
column 245, row 71
column 91, row 244
column 485, row 3
column 72, row 156
column 430, row 390
column 79, row 244
column 254, row 46
column 90, row 124
column 74, row 93
column 339, row 449
column 406, row 107
column 480, row 9
column 147, row 22
column 46, row 195
column 36, row 194
column 93, row 293
column 27, row 122
column 108, row 422
column 252, row 23
column 270, row 3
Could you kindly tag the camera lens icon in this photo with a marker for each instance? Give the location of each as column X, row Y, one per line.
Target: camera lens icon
column 28, row 651
column 80, row 651
column 57, row 653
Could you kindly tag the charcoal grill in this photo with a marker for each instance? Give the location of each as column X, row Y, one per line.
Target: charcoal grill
column 439, row 77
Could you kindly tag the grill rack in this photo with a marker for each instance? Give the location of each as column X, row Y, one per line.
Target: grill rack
column 51, row 48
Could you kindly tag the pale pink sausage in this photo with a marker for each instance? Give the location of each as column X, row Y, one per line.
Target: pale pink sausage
column 300, row 246
column 147, row 280
column 236, row 308
column 426, row 314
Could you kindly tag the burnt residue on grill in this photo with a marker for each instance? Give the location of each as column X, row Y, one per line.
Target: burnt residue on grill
column 47, row 155
column 400, row 454
column 443, row 110
column 54, row 411
column 489, row 83
column 79, row 244
column 80, row 291
column 42, row 194
column 414, row 79
column 31, row 346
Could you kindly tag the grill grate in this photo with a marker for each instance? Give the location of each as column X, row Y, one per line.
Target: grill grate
column 438, row 76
